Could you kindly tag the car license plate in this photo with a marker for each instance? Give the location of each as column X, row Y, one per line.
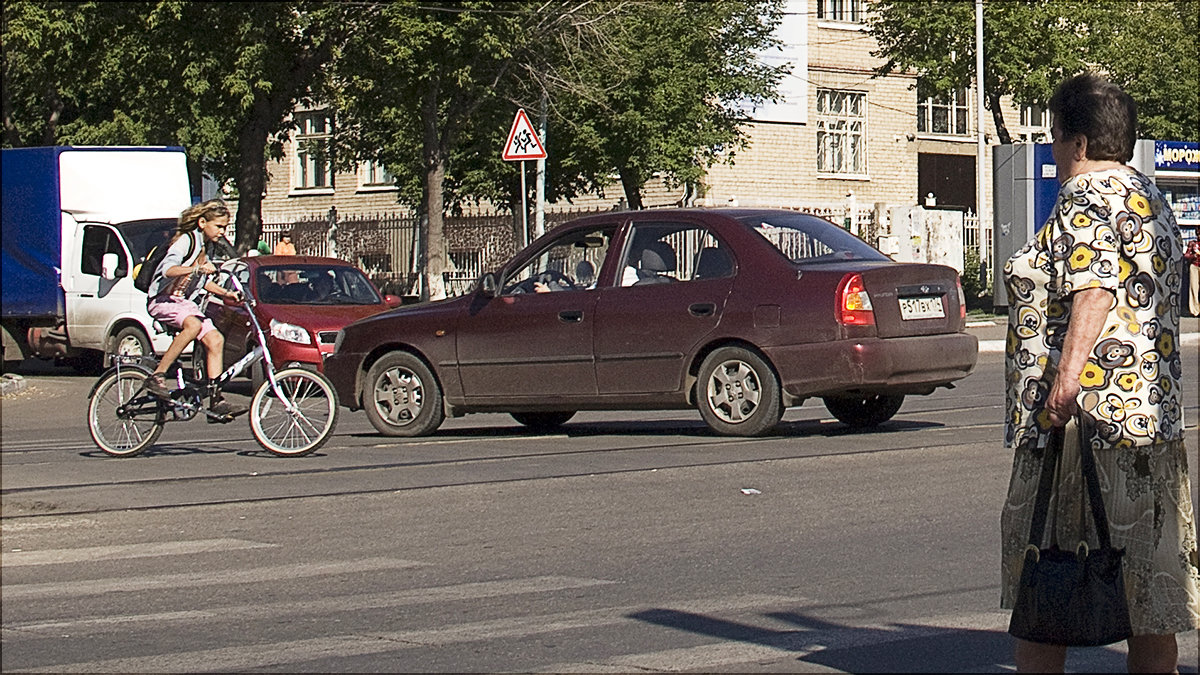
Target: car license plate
column 925, row 307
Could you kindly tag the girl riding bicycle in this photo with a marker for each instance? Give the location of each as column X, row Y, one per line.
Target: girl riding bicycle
column 180, row 279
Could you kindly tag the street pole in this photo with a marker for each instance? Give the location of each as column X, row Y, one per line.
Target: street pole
column 979, row 143
column 539, row 220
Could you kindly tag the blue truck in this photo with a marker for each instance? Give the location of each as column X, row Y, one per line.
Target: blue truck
column 76, row 222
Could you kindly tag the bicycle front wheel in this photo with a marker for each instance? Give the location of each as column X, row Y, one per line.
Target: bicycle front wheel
column 122, row 424
column 307, row 425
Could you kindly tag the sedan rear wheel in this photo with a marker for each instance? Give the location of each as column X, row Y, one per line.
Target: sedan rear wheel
column 738, row 393
column 401, row 396
column 543, row 421
column 867, row 410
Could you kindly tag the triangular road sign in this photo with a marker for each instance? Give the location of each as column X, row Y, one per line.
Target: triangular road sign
column 523, row 141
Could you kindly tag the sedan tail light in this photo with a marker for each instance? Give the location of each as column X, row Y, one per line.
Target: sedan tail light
column 854, row 305
column 962, row 301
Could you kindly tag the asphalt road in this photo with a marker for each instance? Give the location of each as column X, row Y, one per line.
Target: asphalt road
column 627, row 542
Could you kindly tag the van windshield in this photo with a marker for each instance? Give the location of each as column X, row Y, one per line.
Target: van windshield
column 143, row 235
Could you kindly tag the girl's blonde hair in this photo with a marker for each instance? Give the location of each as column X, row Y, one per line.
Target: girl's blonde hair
column 190, row 218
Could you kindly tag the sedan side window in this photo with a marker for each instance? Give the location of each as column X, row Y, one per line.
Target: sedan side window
column 663, row 253
column 570, row 263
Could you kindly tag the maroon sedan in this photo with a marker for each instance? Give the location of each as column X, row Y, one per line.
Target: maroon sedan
column 740, row 313
column 303, row 301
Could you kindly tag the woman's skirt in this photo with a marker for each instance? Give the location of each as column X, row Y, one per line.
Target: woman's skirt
column 1147, row 497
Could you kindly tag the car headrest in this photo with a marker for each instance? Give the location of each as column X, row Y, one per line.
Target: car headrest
column 658, row 256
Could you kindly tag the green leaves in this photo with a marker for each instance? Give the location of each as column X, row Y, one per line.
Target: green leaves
column 1031, row 45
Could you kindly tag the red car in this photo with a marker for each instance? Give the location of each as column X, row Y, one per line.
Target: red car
column 303, row 301
column 740, row 313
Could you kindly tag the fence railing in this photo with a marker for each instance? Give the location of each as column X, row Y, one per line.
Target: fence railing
column 386, row 245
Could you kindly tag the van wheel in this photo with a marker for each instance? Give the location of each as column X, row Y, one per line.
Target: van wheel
column 130, row 341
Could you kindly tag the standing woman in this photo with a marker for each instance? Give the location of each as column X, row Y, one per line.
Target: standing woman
column 1093, row 331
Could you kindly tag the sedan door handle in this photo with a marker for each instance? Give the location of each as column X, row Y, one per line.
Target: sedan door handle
column 702, row 309
column 570, row 316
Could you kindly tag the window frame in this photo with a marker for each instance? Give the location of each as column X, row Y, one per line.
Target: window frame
column 837, row 11
column 957, row 108
column 835, row 159
column 307, row 165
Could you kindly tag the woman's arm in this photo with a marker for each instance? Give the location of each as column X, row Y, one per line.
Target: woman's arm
column 1089, row 308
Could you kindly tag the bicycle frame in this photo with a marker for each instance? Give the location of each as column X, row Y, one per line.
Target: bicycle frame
column 259, row 353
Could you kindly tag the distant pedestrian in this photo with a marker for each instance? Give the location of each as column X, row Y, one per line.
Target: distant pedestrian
column 285, row 245
column 1192, row 256
column 1093, row 334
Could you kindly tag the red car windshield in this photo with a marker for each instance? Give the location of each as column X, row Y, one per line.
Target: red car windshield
column 314, row 285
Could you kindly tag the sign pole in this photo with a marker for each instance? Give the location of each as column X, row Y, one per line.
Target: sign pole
column 524, row 211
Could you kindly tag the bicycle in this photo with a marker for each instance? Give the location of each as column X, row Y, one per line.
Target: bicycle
column 292, row 413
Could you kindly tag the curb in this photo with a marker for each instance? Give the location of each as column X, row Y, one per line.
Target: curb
column 11, row 383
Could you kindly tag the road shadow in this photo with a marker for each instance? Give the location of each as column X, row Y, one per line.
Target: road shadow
column 695, row 429
column 168, row 450
column 894, row 648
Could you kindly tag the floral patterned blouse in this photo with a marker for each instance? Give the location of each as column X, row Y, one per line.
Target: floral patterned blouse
column 1110, row 229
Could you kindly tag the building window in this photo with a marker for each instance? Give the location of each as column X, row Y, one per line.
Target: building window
column 841, row 131
column 314, row 165
column 944, row 114
column 1035, row 123
column 375, row 174
column 848, row 11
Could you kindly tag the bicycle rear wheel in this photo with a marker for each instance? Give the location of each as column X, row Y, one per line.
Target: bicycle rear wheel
column 121, row 424
column 304, row 428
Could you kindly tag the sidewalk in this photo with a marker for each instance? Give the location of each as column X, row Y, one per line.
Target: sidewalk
column 991, row 335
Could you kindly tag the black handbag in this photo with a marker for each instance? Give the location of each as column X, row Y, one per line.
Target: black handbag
column 1073, row 598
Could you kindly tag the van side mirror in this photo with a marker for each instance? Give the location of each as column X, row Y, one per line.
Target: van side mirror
column 487, row 285
column 108, row 266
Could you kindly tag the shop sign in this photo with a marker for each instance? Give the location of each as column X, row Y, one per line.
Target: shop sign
column 1176, row 156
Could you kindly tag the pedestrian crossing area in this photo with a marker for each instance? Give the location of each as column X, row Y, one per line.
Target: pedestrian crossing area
column 316, row 616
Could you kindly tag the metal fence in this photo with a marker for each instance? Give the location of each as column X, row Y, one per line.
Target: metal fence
column 972, row 231
column 386, row 245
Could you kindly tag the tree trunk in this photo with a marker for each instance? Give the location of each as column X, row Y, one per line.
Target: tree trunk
column 252, row 176
column 55, row 104
column 631, row 182
column 433, row 242
column 993, row 101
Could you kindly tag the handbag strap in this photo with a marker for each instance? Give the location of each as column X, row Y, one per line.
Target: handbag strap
column 1095, row 497
column 1041, row 505
column 1050, row 461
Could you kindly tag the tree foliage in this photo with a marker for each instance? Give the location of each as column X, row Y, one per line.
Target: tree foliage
column 1030, row 46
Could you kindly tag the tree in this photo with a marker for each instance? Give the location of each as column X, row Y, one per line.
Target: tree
column 1167, row 90
column 668, row 91
column 425, row 84
column 219, row 78
column 1030, row 46
column 62, row 70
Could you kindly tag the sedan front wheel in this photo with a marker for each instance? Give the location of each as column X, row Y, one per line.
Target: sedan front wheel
column 401, row 396
column 738, row 393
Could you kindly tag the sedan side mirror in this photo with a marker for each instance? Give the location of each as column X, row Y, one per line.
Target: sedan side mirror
column 487, row 285
column 108, row 266
column 393, row 301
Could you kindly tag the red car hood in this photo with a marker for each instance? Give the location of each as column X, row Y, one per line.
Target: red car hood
column 318, row 317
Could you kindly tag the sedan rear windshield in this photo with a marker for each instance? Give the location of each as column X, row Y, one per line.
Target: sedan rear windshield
column 315, row 285
column 808, row 240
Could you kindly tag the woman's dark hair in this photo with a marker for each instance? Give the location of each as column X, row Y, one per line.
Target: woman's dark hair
column 1090, row 105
